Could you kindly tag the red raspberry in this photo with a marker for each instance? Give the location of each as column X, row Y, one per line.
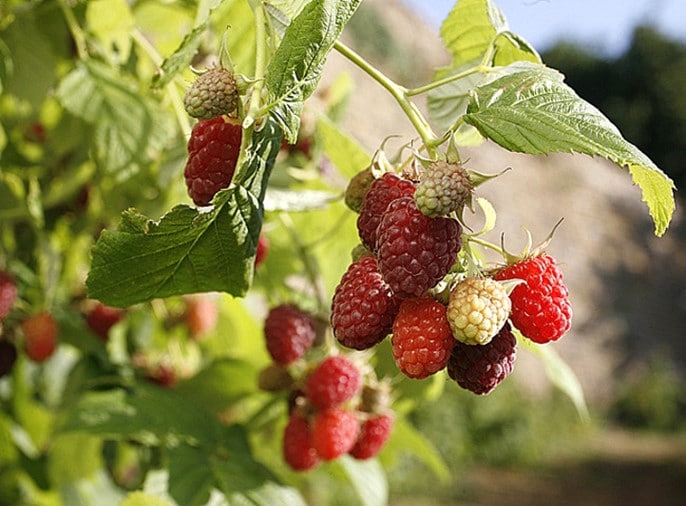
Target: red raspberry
column 8, row 293
column 334, row 432
column 40, row 336
column 422, row 339
column 8, row 356
column 382, row 192
column 540, row 307
column 289, row 333
column 298, row 451
column 202, row 314
column 373, row 436
column 262, row 250
column 334, row 381
column 415, row 251
column 213, row 151
column 363, row 306
column 101, row 318
column 481, row 367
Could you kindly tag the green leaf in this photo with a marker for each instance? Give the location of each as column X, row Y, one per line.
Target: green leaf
column 111, row 21
column 281, row 12
column 143, row 499
column 344, row 152
column 559, row 373
column 296, row 66
column 180, row 59
column 297, row 200
column 188, row 251
column 82, row 451
column 532, row 111
column 128, row 129
column 368, row 479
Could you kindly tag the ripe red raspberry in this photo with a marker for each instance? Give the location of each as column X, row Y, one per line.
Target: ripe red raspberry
column 262, row 250
column 540, row 307
column 445, row 187
column 382, row 192
column 201, row 315
column 213, row 151
column 40, row 336
column 101, row 318
column 373, row 436
column 481, row 367
column 212, row 94
column 298, row 451
column 334, row 381
column 8, row 356
column 334, row 432
column 363, row 306
column 422, row 339
column 415, row 252
column 8, row 293
column 477, row 310
column 289, row 333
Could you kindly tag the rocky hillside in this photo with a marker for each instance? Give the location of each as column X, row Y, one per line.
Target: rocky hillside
column 628, row 287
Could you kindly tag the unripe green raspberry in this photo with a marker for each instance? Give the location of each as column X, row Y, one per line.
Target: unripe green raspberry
column 445, row 187
column 357, row 189
column 477, row 310
column 211, row 95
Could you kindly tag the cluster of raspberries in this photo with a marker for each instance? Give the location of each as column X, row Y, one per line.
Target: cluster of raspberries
column 411, row 243
column 334, row 409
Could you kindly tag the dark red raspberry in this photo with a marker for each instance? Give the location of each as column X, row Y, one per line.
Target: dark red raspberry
column 334, row 381
column 289, row 333
column 382, row 192
column 415, row 252
column 298, row 451
column 363, row 306
column 101, row 318
column 213, row 151
column 373, row 436
column 541, row 309
column 481, row 367
column 8, row 356
column 422, row 339
column 40, row 336
column 334, row 432
column 8, row 293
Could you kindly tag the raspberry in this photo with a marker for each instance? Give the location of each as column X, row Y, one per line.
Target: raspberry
column 334, row 381
column 415, row 251
column 8, row 293
column 373, row 435
column 213, row 151
column 422, row 340
column 101, row 318
column 164, row 375
column 445, row 187
column 212, row 94
column 477, row 310
column 357, row 188
column 262, row 250
column 382, row 192
column 289, row 333
column 334, row 432
column 480, row 368
column 540, row 308
column 298, row 451
column 363, row 306
column 8, row 356
column 40, row 336
column 201, row 315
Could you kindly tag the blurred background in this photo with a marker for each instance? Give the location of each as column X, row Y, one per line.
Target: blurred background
column 525, row 443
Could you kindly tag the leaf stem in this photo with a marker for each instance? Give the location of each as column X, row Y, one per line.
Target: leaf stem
column 398, row 92
column 260, row 66
column 76, row 32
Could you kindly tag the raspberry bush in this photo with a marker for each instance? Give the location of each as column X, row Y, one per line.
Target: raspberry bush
column 131, row 188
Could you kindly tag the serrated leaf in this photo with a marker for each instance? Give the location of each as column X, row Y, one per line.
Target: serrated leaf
column 559, row 373
column 532, row 111
column 180, row 59
column 128, row 129
column 188, row 251
column 281, row 12
column 368, row 479
column 296, row 66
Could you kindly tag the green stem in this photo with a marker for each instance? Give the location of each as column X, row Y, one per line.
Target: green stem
column 260, row 66
column 485, row 244
column 398, row 92
column 446, row 80
column 76, row 32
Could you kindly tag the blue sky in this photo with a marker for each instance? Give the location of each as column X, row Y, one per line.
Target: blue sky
column 605, row 24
